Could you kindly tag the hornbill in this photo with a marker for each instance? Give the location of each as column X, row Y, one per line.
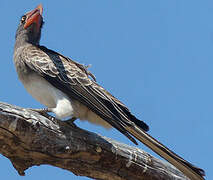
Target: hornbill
column 68, row 89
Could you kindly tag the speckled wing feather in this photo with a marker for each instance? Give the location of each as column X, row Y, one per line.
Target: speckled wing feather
column 74, row 80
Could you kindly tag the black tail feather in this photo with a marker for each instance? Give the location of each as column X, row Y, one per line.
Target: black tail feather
column 139, row 123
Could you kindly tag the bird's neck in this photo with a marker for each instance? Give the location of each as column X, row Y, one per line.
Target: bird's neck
column 23, row 40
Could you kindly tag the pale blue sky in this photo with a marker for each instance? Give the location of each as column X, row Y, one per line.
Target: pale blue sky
column 155, row 56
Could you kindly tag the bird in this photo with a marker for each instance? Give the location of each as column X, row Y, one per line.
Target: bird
column 69, row 90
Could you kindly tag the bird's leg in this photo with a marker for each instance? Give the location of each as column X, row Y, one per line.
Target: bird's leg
column 71, row 121
column 43, row 112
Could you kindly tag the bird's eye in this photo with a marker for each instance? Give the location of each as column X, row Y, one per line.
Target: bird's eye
column 42, row 23
column 23, row 18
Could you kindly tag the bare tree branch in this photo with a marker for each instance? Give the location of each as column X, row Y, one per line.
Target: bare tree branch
column 28, row 138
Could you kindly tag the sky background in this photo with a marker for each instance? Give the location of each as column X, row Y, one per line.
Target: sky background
column 155, row 56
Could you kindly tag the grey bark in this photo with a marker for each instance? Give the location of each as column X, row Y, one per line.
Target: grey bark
column 28, row 138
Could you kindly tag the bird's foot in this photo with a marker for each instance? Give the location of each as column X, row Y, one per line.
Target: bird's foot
column 71, row 122
column 43, row 112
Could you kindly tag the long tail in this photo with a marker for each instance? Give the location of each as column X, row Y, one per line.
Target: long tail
column 185, row 167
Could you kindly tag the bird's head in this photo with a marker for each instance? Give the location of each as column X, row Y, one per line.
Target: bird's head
column 29, row 29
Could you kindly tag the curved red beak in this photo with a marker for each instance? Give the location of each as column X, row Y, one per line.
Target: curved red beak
column 34, row 16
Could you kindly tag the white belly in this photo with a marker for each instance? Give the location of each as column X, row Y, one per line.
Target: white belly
column 48, row 95
column 59, row 102
column 41, row 90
